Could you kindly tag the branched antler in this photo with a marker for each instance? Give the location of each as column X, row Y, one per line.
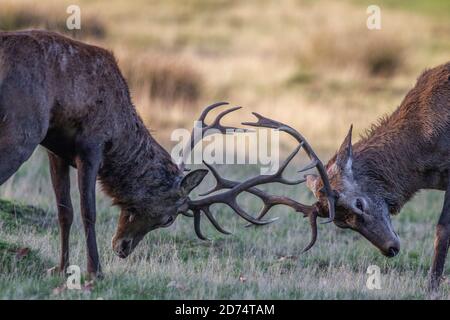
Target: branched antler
column 207, row 129
column 315, row 161
column 234, row 188
column 269, row 201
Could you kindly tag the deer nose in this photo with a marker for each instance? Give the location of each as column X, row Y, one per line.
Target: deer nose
column 393, row 251
column 123, row 248
column 391, row 248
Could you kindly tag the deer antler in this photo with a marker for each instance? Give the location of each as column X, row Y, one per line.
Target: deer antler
column 270, row 201
column 216, row 124
column 234, row 188
column 315, row 161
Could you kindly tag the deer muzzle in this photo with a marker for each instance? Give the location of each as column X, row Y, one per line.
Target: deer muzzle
column 383, row 237
column 123, row 247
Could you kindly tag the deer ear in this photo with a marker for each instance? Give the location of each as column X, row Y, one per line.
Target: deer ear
column 311, row 182
column 344, row 157
column 192, row 180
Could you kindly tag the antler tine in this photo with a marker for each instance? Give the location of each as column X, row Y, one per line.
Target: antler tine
column 264, row 210
column 315, row 161
column 214, row 221
column 186, row 214
column 309, row 166
column 331, row 211
column 313, row 222
column 216, row 124
column 205, row 112
column 233, row 204
column 221, row 183
column 223, row 129
column 279, row 173
column 197, row 219
column 264, row 122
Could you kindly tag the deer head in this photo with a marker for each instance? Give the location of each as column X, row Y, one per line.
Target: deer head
column 163, row 201
column 156, row 211
column 358, row 207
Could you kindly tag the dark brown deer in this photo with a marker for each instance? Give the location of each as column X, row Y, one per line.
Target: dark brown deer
column 402, row 154
column 71, row 98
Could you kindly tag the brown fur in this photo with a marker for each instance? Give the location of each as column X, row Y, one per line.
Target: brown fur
column 72, row 99
column 410, row 150
column 400, row 155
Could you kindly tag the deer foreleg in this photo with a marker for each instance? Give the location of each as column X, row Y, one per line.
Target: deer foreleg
column 88, row 163
column 441, row 243
column 59, row 170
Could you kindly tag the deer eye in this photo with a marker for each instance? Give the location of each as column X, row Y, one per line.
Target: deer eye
column 359, row 204
column 361, row 218
column 131, row 214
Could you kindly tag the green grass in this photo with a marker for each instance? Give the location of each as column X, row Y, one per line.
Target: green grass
column 174, row 264
column 433, row 8
column 15, row 259
column 14, row 216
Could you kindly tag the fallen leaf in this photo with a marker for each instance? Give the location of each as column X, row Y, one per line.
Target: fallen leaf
column 22, row 253
column 289, row 257
column 176, row 285
column 52, row 271
column 60, row 289
column 88, row 286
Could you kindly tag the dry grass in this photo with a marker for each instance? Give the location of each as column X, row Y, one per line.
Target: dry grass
column 28, row 14
column 164, row 79
column 371, row 54
column 287, row 59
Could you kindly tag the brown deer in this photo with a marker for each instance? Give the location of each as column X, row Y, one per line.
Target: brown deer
column 402, row 154
column 72, row 99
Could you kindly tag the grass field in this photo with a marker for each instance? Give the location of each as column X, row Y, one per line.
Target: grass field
column 263, row 262
column 312, row 64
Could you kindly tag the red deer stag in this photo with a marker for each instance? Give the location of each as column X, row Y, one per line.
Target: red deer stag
column 402, row 154
column 72, row 99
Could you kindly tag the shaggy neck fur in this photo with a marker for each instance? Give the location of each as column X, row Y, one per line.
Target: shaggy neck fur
column 136, row 171
column 399, row 155
column 386, row 164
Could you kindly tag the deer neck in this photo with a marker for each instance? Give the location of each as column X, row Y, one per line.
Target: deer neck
column 135, row 167
column 387, row 163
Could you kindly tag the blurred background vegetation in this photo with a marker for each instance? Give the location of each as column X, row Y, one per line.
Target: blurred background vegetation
column 313, row 64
